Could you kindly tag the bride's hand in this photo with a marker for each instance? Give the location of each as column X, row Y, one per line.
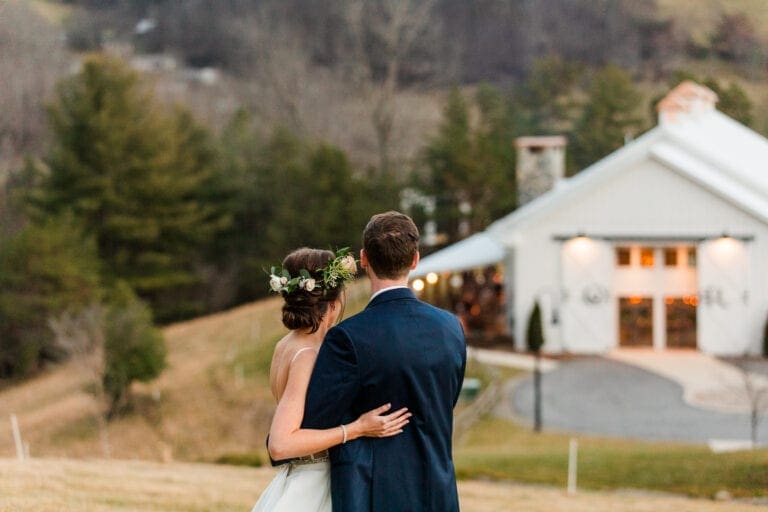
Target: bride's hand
column 375, row 423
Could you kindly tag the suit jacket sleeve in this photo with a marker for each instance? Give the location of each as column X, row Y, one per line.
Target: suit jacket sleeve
column 334, row 384
column 463, row 361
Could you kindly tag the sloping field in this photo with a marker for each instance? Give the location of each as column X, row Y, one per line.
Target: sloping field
column 212, row 400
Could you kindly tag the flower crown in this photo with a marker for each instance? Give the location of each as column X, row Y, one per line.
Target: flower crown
column 340, row 269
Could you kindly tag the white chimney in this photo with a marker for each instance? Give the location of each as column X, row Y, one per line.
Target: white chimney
column 540, row 165
column 686, row 100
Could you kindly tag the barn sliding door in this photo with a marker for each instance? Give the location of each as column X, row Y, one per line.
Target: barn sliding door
column 723, row 268
column 588, row 316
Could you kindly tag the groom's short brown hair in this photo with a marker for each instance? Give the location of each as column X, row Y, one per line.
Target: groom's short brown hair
column 390, row 240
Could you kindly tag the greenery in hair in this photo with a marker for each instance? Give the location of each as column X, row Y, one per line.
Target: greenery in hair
column 340, row 269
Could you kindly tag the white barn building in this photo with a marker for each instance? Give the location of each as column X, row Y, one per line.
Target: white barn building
column 663, row 243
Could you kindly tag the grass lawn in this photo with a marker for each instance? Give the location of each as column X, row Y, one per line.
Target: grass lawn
column 59, row 485
column 499, row 449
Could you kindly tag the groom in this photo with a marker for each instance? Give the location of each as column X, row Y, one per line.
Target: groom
column 402, row 351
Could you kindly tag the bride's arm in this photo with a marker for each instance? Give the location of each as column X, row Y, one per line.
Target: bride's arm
column 286, row 437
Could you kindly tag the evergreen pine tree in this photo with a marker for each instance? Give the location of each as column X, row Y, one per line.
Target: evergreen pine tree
column 610, row 115
column 472, row 165
column 133, row 175
column 545, row 99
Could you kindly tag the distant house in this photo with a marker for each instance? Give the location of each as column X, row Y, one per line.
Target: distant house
column 663, row 243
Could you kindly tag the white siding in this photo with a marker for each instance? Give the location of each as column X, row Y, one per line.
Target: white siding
column 646, row 199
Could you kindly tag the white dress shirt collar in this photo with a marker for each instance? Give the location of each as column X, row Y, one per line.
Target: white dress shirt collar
column 386, row 290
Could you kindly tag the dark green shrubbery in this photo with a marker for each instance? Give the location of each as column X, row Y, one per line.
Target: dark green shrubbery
column 134, row 349
column 45, row 269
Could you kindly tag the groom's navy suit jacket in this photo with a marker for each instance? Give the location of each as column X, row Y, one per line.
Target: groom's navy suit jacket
column 402, row 351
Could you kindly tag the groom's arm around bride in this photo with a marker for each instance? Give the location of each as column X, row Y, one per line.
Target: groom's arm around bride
column 402, row 351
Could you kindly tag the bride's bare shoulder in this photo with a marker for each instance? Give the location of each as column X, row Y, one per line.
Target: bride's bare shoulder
column 282, row 345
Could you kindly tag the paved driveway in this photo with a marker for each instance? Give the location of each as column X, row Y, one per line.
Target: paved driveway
column 606, row 397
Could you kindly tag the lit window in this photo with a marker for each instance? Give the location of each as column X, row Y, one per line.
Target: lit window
column 691, row 256
column 623, row 258
column 647, row 256
column 670, row 257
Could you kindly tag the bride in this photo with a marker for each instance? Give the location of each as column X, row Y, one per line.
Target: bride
column 311, row 281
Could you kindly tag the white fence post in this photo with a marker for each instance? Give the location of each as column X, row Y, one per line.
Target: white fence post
column 17, row 437
column 572, row 465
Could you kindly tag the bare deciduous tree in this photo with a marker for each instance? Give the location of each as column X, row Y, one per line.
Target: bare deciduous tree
column 32, row 58
column 81, row 336
column 755, row 394
column 383, row 33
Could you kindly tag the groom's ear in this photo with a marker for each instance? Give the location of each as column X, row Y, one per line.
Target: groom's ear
column 363, row 259
column 415, row 260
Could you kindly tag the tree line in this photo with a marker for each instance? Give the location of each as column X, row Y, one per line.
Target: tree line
column 452, row 40
column 469, row 165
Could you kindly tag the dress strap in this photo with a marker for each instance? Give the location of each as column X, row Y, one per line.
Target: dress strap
column 300, row 351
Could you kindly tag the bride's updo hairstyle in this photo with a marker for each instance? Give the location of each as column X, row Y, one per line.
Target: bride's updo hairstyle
column 305, row 309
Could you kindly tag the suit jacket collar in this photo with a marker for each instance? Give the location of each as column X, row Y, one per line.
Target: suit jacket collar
column 395, row 294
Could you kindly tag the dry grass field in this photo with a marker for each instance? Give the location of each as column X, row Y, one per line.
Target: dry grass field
column 108, row 486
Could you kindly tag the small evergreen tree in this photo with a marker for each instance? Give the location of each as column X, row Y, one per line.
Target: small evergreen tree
column 134, row 348
column 765, row 339
column 535, row 340
column 535, row 333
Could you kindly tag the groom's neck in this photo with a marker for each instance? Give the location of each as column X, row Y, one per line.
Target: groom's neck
column 380, row 284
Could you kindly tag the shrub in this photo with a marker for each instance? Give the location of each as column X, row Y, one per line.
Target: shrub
column 535, row 334
column 134, row 347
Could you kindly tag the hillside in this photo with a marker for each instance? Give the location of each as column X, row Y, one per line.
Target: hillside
column 700, row 16
column 310, row 66
column 212, row 400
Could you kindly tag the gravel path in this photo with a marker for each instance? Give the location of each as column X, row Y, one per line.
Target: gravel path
column 600, row 396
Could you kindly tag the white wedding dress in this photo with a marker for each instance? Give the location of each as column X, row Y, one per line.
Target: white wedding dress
column 302, row 487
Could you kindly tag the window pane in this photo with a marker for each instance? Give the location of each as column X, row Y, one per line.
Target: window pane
column 670, row 256
column 623, row 256
column 691, row 256
column 646, row 256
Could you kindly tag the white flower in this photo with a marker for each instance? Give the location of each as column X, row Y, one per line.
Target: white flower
column 276, row 283
column 348, row 264
column 283, row 280
column 309, row 284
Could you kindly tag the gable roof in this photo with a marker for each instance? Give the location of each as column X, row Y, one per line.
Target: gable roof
column 709, row 148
